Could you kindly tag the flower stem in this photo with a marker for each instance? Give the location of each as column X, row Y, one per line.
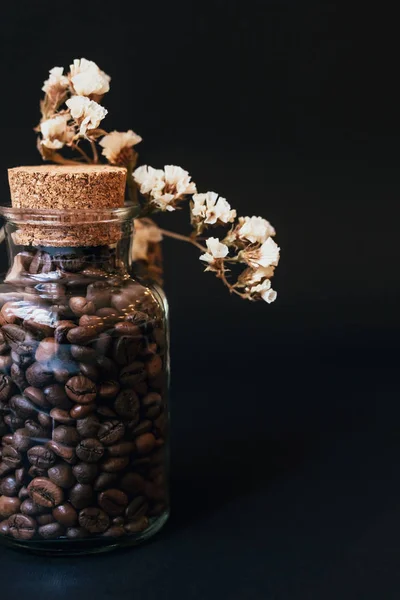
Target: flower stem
column 94, row 151
column 221, row 275
column 81, row 152
column 182, row 238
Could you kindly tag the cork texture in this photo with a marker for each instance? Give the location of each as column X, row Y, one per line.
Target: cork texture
column 75, row 187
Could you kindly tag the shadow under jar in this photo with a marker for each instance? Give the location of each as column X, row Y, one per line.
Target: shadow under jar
column 84, row 372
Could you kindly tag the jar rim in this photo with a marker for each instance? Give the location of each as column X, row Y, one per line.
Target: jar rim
column 77, row 216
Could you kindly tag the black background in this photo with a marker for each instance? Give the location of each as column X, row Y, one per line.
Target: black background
column 285, row 476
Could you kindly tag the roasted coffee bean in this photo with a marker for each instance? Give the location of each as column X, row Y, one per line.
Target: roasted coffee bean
column 118, row 521
column 81, row 335
column 133, row 374
column 21, row 341
column 7, row 440
column 80, row 411
column 96, row 323
column 89, row 370
column 108, row 368
column 69, row 262
column 106, row 412
column 23, row 360
column 141, row 320
column 81, row 495
column 55, row 395
column 80, row 389
column 17, row 374
column 4, row 529
column 6, row 388
column 127, row 405
column 81, row 306
column 13, row 421
column 113, row 502
column 61, row 416
column 11, row 456
column 21, row 440
column 108, row 390
column 45, row 519
column 35, row 430
column 110, row 432
column 154, row 366
column 45, row 493
column 38, row 375
column 61, row 331
column 132, row 483
column 84, row 354
column 143, row 427
column 137, row 508
column 36, row 472
column 76, row 533
column 22, row 527
column 89, row 427
column 99, row 293
column 9, row 313
column 36, row 396
column 90, row 450
column 62, row 475
column 65, row 452
column 125, row 350
column 64, row 370
column 52, row 531
column 121, row 449
column 109, row 315
column 114, row 531
column 5, row 364
column 30, row 508
column 20, row 476
column 104, row 481
column 3, row 343
column 137, row 525
column 66, row 515
column 85, row 472
column 66, row 435
column 47, row 350
column 3, row 429
column 5, row 468
column 23, row 407
column 152, row 405
column 41, row 457
column 94, row 520
column 45, row 420
column 126, row 328
column 9, row 506
column 42, row 330
column 23, row 493
column 115, row 464
column 9, row 486
column 40, row 263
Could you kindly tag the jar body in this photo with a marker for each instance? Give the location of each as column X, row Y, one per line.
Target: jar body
column 84, row 372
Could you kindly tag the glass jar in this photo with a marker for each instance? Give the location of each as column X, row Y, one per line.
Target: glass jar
column 84, row 373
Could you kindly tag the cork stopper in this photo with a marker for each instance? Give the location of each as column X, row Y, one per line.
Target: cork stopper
column 67, row 187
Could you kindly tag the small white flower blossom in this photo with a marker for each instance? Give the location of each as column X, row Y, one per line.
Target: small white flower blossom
column 254, row 229
column 145, row 234
column 215, row 250
column 212, row 209
column 88, row 79
column 177, row 181
column 148, row 178
column 56, row 83
column 87, row 112
column 265, row 256
column 56, row 132
column 166, row 186
column 252, row 276
column 265, row 291
column 116, row 142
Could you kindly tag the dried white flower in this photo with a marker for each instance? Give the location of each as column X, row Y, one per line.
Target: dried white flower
column 146, row 232
column 215, row 250
column 148, row 178
column 177, row 181
column 252, row 276
column 212, row 209
column 265, row 256
column 254, row 229
column 117, row 144
column 56, row 132
column 88, row 79
column 265, row 291
column 86, row 112
column 165, row 187
column 56, row 83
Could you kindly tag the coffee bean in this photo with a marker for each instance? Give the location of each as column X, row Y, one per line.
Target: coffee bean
column 113, row 502
column 133, row 374
column 125, row 350
column 137, row 508
column 114, row 531
column 21, row 341
column 76, row 533
column 110, row 432
column 30, row 508
column 18, row 376
column 6, row 388
column 23, row 493
column 106, row 412
column 94, row 520
column 81, row 389
column 4, row 529
column 81, row 306
column 90, row 450
column 69, row 262
column 66, row 435
column 127, row 405
column 36, row 472
column 65, row 452
column 89, row 370
column 9, row 486
column 152, row 405
column 21, row 440
column 64, row 370
column 62, row 475
column 154, row 366
column 52, row 531
column 55, row 395
column 7, row 440
column 5, row 468
column 20, row 476
column 80, row 411
column 9, row 505
column 61, row 331
column 23, row 407
column 88, row 427
column 85, row 472
column 84, row 354
column 118, row 521
column 36, row 396
column 47, row 350
column 60, row 311
column 66, row 515
column 137, row 525
column 45, row 519
column 3, row 343
column 81, row 335
column 40, row 263
column 108, row 368
column 121, row 449
column 61, row 416
column 22, row 527
column 81, row 495
column 108, row 390
column 109, row 315
column 35, row 430
column 45, row 420
column 42, row 330
column 96, row 323
column 45, row 493
column 104, row 481
column 99, row 293
column 23, row 360
column 143, row 427
column 5, row 364
column 11, row 456
column 113, row 464
column 132, row 483
column 38, row 375
column 41, row 457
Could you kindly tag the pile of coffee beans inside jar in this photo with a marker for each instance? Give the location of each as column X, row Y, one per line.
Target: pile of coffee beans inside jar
column 83, row 416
